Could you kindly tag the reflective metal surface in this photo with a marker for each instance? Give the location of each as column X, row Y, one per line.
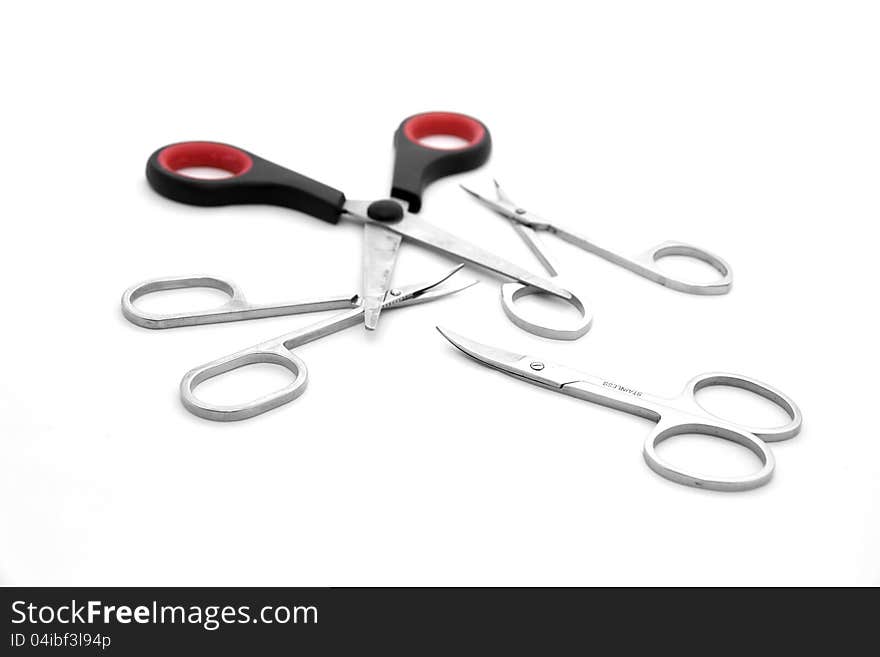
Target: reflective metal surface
column 413, row 228
column 674, row 416
column 278, row 351
column 380, row 256
column 234, row 310
column 644, row 264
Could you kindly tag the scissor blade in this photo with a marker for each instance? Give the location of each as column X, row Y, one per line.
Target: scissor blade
column 530, row 368
column 413, row 294
column 428, row 235
column 489, row 203
column 380, row 255
column 491, row 356
column 507, row 208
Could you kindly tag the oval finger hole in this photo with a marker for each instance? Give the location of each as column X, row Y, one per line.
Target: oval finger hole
column 205, row 155
column 545, row 309
column 205, row 173
column 245, row 384
column 741, row 406
column 443, row 130
column 687, row 268
column 189, row 299
column 444, row 142
column 695, row 452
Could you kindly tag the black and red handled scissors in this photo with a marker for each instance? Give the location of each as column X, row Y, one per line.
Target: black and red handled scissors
column 386, row 221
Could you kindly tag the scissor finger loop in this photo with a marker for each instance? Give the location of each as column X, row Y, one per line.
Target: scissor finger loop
column 273, row 354
column 235, row 309
column 153, row 320
column 511, row 292
column 768, row 434
column 684, row 424
column 572, row 330
column 649, row 268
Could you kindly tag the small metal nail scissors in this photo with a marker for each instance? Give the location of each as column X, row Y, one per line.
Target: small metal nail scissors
column 527, row 224
column 276, row 351
column 678, row 415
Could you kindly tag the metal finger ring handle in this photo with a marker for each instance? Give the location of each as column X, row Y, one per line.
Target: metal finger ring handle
column 770, row 434
column 511, row 292
column 172, row 320
column 699, row 480
column 233, row 412
column 649, row 259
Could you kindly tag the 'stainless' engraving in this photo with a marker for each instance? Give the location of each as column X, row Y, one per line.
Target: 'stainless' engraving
column 629, row 391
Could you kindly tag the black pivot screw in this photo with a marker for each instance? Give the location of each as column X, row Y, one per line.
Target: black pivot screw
column 388, row 211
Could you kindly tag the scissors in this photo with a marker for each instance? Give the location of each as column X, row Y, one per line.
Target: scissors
column 276, row 351
column 528, row 224
column 386, row 221
column 678, row 415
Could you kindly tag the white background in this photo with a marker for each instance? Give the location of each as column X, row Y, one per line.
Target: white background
column 749, row 128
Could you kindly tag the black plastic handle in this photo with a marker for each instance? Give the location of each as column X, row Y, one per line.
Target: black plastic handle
column 417, row 165
column 254, row 180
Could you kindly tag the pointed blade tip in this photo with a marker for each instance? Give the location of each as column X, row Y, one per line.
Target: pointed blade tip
column 444, row 332
column 483, row 353
column 371, row 319
column 454, row 339
column 470, row 191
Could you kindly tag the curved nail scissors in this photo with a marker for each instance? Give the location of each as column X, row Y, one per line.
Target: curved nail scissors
column 678, row 415
column 276, row 351
column 528, row 225
column 386, row 222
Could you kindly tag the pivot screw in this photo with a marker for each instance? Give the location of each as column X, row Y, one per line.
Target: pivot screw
column 520, row 211
column 536, row 365
column 387, row 210
column 395, row 292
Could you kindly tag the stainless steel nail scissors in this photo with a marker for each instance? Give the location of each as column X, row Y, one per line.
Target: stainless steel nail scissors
column 276, row 351
column 528, row 225
column 674, row 416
